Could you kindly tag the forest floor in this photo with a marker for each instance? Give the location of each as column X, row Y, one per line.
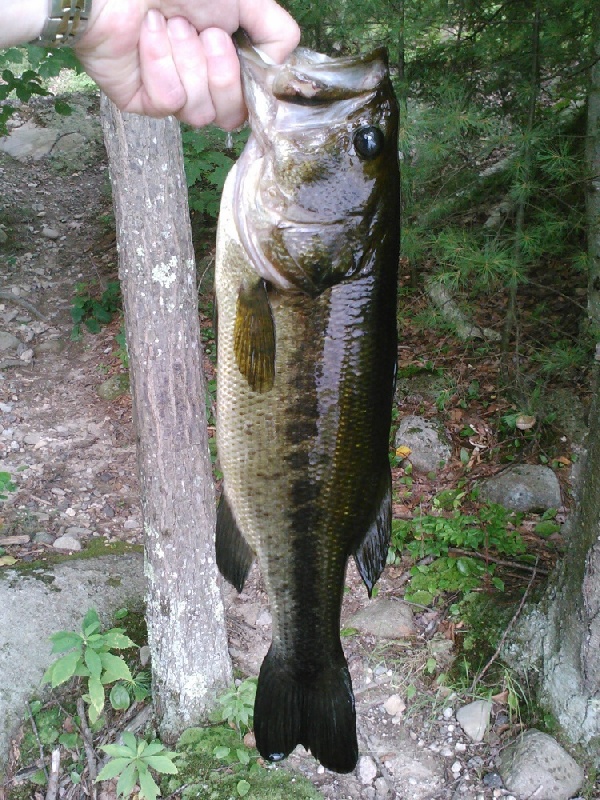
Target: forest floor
column 72, row 457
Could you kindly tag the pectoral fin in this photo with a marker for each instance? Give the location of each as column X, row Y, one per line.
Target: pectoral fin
column 371, row 553
column 234, row 554
column 254, row 337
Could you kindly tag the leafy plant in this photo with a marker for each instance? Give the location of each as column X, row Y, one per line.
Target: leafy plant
column 237, row 706
column 93, row 311
column 426, row 535
column 6, row 485
column 132, row 762
column 209, row 155
column 88, row 657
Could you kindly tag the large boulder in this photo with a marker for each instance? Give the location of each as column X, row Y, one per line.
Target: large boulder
column 36, row 604
column 525, row 487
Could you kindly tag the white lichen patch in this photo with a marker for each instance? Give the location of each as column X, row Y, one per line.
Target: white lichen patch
column 165, row 273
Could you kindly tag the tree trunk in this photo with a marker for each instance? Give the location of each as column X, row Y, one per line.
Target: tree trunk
column 560, row 638
column 186, row 629
column 592, row 153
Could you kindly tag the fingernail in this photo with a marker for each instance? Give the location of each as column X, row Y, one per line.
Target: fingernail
column 179, row 27
column 155, row 20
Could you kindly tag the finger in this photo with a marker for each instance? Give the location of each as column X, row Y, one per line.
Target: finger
column 224, row 83
column 162, row 91
column 190, row 61
column 270, row 27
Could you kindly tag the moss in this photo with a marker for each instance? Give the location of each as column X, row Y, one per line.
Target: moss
column 207, row 777
column 95, row 547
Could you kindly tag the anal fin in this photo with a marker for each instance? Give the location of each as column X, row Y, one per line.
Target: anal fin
column 371, row 554
column 254, row 337
column 234, row 554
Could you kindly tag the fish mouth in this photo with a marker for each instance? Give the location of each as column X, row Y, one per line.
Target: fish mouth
column 312, row 78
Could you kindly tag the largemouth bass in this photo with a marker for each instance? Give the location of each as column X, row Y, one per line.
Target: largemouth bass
column 306, row 274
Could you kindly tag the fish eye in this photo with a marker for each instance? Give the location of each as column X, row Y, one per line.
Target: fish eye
column 368, row 142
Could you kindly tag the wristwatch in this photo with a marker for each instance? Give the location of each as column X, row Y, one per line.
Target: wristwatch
column 66, row 23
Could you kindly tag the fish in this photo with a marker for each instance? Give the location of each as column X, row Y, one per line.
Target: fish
column 306, row 286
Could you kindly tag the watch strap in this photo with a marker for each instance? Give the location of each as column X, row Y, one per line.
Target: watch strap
column 66, row 23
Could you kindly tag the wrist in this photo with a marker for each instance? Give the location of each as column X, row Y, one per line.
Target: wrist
column 22, row 21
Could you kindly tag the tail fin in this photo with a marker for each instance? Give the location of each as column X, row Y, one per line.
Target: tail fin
column 318, row 713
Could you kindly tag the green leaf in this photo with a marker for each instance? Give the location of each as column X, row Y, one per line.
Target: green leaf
column 411, row 691
column 243, row 788
column 65, row 640
column 63, row 108
column 243, row 756
column 127, row 780
column 119, row 751
column 148, row 787
column 116, row 639
column 119, row 697
column 69, row 740
column 161, row 764
column 91, row 622
column 116, row 668
column 113, row 768
column 93, row 663
column 129, row 741
column 38, row 778
column 221, row 752
column 64, row 668
column 547, row 527
column 96, row 693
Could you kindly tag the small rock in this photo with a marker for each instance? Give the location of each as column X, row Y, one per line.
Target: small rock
column 144, row 655
column 67, row 543
column 132, row 524
column 32, row 438
column 113, row 387
column 525, row 487
column 386, row 619
column 456, row 767
column 3, row 236
column 8, row 342
column 77, row 532
column 367, row 770
column 264, row 619
column 448, row 712
column 428, row 444
column 50, row 233
column 43, row 537
column 54, row 346
column 535, row 765
column 474, row 718
column 27, row 355
column 460, row 747
column 394, row 705
column 382, row 788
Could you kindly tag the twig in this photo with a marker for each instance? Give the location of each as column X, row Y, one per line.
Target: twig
column 11, row 298
column 502, row 562
column 504, row 636
column 37, row 737
column 52, row 789
column 88, row 744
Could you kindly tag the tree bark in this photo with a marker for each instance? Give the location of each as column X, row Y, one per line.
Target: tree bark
column 186, row 628
column 592, row 153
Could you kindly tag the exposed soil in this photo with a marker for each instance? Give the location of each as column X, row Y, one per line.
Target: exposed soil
column 72, row 457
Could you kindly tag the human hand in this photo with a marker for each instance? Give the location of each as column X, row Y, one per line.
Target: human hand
column 161, row 57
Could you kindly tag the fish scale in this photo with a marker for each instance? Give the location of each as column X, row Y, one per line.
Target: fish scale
column 306, row 359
